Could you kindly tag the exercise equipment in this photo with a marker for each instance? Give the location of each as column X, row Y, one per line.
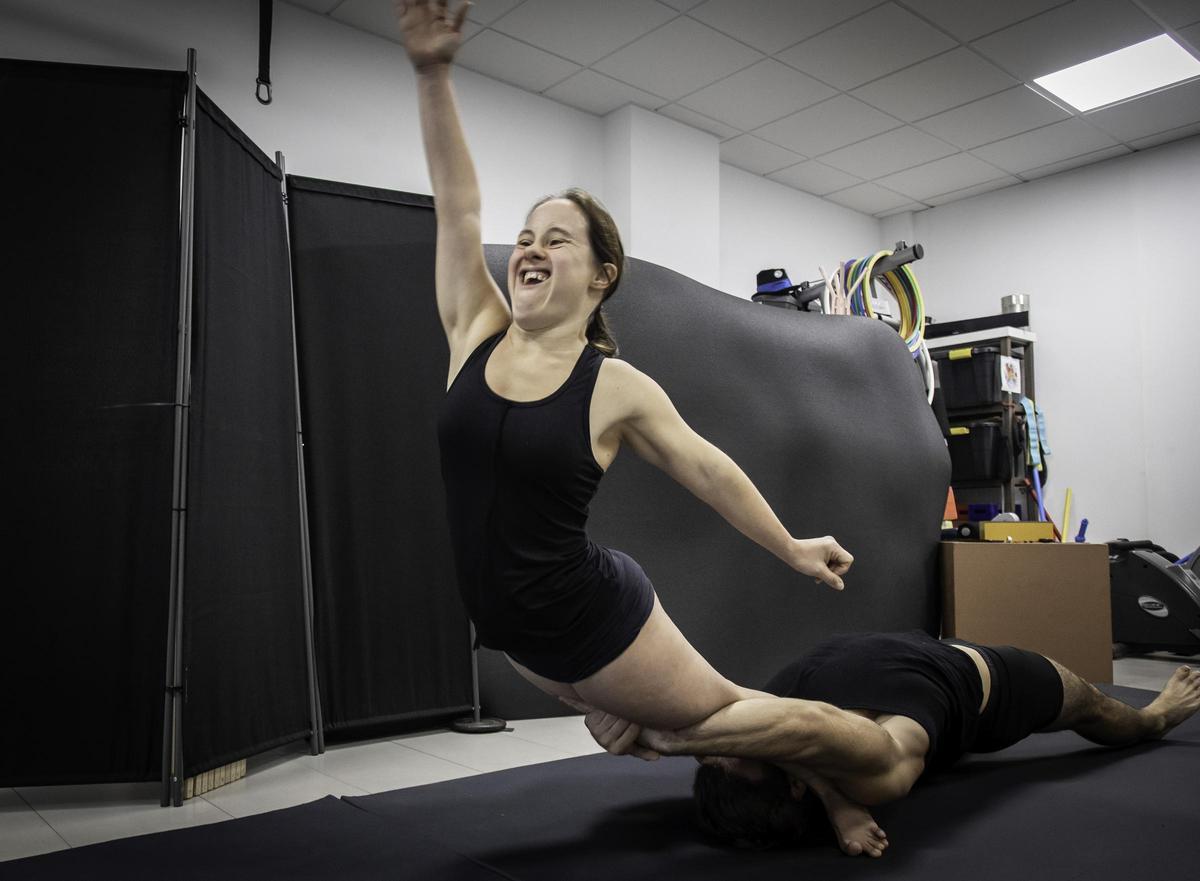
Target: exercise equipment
column 1155, row 599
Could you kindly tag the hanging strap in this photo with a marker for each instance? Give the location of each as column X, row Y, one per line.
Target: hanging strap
column 264, row 51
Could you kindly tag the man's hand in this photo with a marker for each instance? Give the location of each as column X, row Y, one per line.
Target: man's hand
column 822, row 558
column 618, row 736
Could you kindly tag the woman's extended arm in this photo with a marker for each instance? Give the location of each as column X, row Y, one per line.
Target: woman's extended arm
column 465, row 288
column 653, row 428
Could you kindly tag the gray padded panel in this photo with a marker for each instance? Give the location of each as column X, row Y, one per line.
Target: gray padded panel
column 827, row 416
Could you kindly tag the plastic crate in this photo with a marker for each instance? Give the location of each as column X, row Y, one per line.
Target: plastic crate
column 972, row 381
column 979, row 451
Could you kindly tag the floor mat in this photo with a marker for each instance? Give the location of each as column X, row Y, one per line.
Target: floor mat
column 319, row 840
column 1052, row 807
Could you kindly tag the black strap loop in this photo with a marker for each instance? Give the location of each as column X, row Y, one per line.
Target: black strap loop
column 264, row 51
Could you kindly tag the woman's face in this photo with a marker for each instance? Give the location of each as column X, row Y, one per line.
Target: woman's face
column 553, row 276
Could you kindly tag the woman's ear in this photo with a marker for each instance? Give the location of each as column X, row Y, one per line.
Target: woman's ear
column 799, row 788
column 606, row 276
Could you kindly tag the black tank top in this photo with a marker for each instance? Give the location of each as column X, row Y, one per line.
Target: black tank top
column 908, row 674
column 519, row 476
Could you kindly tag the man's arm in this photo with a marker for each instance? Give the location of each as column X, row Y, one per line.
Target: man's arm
column 862, row 758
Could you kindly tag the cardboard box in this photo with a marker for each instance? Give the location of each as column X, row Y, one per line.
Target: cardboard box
column 1049, row 598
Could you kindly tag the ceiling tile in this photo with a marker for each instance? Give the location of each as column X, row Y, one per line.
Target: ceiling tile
column 1150, row 114
column 599, row 94
column 891, row 151
column 875, row 44
column 1075, row 162
column 910, row 206
column 582, row 30
column 756, row 155
column 1068, row 35
column 941, row 176
column 487, row 11
column 379, row 18
column 992, row 118
column 868, row 198
column 503, row 58
column 1166, row 137
column 677, row 59
column 951, row 79
column 1191, row 36
column 699, row 120
column 1175, row 13
column 371, row 16
column 828, row 125
column 1051, row 143
column 757, row 95
column 814, row 177
column 968, row 19
column 979, row 189
column 772, row 25
column 683, row 5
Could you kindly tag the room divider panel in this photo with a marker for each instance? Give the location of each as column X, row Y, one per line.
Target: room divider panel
column 159, row 607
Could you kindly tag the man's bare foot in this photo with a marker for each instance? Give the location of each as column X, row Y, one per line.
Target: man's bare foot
column 1179, row 700
column 856, row 830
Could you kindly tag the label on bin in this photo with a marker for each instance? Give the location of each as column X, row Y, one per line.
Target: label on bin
column 960, row 354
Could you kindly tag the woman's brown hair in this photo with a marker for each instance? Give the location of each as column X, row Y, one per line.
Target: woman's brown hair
column 605, row 240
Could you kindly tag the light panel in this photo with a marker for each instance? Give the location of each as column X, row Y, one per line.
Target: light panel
column 1135, row 70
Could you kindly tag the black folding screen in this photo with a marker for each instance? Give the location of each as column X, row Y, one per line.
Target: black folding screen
column 245, row 676
column 97, row 423
column 89, row 203
column 372, row 376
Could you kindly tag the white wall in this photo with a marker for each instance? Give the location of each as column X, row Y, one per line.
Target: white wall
column 674, row 195
column 1107, row 255
column 765, row 224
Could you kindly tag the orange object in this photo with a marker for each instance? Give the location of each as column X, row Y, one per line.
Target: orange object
column 951, row 512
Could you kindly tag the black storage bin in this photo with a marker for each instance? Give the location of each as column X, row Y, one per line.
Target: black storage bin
column 981, row 453
column 973, row 381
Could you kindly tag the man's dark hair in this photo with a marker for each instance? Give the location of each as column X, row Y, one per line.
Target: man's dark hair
column 754, row 814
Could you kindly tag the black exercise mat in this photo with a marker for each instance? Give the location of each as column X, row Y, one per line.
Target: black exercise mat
column 1053, row 806
column 320, row 840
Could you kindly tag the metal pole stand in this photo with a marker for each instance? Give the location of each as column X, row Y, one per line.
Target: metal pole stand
column 474, row 724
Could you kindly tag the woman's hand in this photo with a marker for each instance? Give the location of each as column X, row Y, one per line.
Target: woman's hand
column 618, row 736
column 431, row 35
column 822, row 558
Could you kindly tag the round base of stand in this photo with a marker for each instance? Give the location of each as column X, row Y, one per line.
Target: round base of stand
column 471, row 725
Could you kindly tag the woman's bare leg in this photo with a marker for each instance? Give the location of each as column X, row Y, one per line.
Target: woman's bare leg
column 660, row 681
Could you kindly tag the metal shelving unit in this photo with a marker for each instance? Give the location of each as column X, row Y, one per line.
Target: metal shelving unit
column 1008, row 340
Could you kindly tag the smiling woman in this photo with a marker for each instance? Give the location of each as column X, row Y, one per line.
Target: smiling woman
column 537, row 407
column 605, row 241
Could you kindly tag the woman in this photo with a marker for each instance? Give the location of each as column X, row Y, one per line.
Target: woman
column 535, row 413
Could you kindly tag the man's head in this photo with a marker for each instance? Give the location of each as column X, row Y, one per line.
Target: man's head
column 752, row 804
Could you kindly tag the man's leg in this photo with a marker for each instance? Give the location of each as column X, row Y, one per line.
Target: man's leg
column 1110, row 722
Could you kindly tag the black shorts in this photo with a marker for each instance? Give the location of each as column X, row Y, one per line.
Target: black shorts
column 1026, row 696
column 612, row 623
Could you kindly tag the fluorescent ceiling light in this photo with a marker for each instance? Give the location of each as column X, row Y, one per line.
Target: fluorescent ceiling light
column 1134, row 70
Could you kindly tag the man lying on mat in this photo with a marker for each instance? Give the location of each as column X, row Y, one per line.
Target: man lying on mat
column 860, row 717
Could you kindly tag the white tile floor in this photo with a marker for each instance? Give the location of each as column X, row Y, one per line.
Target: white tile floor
column 40, row 819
